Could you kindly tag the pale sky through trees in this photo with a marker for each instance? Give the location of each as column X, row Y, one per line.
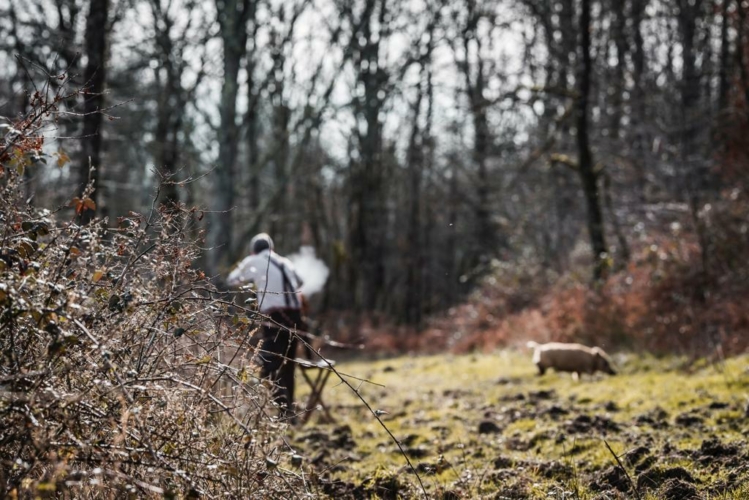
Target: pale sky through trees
column 366, row 128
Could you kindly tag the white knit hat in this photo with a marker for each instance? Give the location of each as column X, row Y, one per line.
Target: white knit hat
column 261, row 242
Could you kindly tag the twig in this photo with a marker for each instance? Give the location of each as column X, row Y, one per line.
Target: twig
column 629, row 478
column 374, row 413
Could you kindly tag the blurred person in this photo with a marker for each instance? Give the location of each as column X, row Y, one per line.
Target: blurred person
column 278, row 298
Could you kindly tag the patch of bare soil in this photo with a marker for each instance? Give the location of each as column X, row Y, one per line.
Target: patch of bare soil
column 339, row 489
column 655, row 477
column 654, row 463
column 656, row 418
column 613, row 478
column 584, row 424
column 635, row 456
column 713, row 451
column 489, row 427
column 690, row 419
column 387, row 488
column 678, row 489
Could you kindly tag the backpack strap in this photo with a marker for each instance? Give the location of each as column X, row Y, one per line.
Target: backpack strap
column 289, row 292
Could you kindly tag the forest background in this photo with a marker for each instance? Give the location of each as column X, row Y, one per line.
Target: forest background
column 472, row 172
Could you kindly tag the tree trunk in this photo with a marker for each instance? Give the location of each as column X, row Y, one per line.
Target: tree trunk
column 694, row 178
column 588, row 175
column 428, row 253
column 280, row 140
column 94, row 80
column 487, row 240
column 169, row 111
column 367, row 217
column 639, row 102
column 451, row 244
column 414, row 252
column 253, row 132
column 619, row 84
column 725, row 59
column 741, row 53
column 232, row 15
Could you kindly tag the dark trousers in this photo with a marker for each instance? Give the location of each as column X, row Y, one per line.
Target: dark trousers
column 278, row 353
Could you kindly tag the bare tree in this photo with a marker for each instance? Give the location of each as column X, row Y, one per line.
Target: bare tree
column 95, row 77
column 586, row 167
column 475, row 71
column 232, row 17
column 172, row 39
column 366, row 180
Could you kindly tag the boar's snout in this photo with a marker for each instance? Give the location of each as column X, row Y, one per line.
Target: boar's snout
column 603, row 364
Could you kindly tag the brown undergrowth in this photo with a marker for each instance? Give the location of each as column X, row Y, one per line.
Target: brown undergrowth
column 673, row 296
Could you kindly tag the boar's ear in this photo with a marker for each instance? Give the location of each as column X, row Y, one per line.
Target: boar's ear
column 598, row 352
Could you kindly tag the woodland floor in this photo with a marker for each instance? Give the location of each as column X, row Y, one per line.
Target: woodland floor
column 486, row 426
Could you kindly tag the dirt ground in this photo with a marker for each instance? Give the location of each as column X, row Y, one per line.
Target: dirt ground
column 486, row 426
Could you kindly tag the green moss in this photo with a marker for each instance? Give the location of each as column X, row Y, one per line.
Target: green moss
column 435, row 403
column 522, row 426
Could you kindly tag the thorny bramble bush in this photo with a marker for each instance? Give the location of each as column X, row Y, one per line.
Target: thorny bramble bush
column 122, row 372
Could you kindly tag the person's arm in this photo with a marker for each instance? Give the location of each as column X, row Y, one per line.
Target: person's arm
column 242, row 274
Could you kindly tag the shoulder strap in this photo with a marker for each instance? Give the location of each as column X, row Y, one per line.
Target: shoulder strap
column 289, row 292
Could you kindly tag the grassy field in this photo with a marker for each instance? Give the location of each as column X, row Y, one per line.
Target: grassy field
column 486, row 426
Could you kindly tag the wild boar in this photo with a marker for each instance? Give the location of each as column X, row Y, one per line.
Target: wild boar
column 575, row 358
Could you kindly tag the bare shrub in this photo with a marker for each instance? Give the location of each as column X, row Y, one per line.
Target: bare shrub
column 113, row 377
